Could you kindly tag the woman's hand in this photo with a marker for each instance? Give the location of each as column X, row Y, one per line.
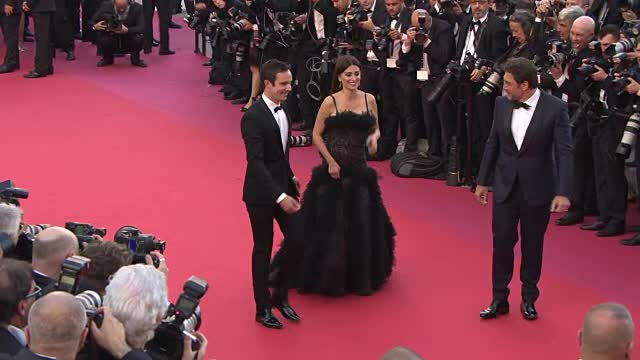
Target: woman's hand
column 334, row 170
column 372, row 143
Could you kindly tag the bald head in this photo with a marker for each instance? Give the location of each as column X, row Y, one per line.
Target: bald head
column 582, row 31
column 608, row 329
column 56, row 320
column 401, row 353
column 53, row 245
column 586, row 23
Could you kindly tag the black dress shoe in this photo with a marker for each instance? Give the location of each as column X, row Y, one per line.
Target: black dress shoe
column 104, row 62
column 598, row 225
column 634, row 241
column 166, row 52
column 77, row 36
column 71, row 55
column 7, row 69
column 571, row 218
column 173, row 25
column 612, row 229
column 232, row 96
column 287, row 311
column 34, row 75
column 266, row 318
column 494, row 310
column 528, row 311
column 242, row 100
column 138, row 63
column 147, row 51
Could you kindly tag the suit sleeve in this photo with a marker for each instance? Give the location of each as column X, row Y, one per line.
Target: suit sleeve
column 253, row 142
column 442, row 47
column 499, row 40
column 97, row 17
column 138, row 27
column 491, row 151
column 563, row 144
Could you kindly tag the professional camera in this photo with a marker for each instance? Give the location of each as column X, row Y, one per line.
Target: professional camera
column 422, row 33
column 113, row 23
column 199, row 19
column 342, row 30
column 554, row 9
column 239, row 20
column 291, row 29
column 72, row 268
column 91, row 301
column 631, row 28
column 629, row 136
column 140, row 244
column 589, row 109
column 382, row 33
column 622, row 46
column 588, row 67
column 455, row 73
column 493, row 81
column 84, row 232
column 182, row 319
column 504, row 8
column 10, row 194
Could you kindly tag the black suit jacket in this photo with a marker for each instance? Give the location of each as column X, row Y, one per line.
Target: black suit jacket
column 493, row 42
column 268, row 172
column 532, row 166
column 576, row 84
column 8, row 343
column 439, row 52
column 42, row 6
column 134, row 21
column 613, row 16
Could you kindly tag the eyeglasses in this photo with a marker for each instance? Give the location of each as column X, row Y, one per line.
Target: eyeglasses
column 37, row 291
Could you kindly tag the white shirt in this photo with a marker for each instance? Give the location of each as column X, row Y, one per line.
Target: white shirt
column 283, row 125
column 18, row 334
column 521, row 119
column 471, row 37
column 319, row 23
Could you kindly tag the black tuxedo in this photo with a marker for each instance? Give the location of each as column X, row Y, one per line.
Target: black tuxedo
column 613, row 14
column 524, row 187
column 268, row 175
column 129, row 43
column 9, row 26
column 42, row 12
column 8, row 343
column 492, row 43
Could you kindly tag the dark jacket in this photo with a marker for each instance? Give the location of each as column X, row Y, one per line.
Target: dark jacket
column 134, row 21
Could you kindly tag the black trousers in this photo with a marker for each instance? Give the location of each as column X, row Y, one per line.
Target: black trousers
column 436, row 118
column 398, row 93
column 533, row 222
column 89, row 8
column 611, row 183
column 480, row 125
column 164, row 16
column 261, row 218
column 74, row 15
column 111, row 43
column 584, row 194
column 10, row 26
column 62, row 29
column 44, row 53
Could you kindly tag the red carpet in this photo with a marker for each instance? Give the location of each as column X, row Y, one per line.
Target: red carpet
column 160, row 149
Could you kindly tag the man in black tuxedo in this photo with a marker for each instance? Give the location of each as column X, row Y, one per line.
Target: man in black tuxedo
column 429, row 59
column 125, row 39
column 17, row 293
column 42, row 12
column 271, row 190
column 529, row 126
column 10, row 23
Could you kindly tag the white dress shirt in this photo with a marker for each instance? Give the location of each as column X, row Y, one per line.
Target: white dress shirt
column 521, row 119
column 283, row 125
column 319, row 23
column 469, row 45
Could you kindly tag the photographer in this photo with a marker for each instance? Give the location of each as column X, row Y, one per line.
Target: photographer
column 18, row 292
column 119, row 25
column 429, row 44
column 605, row 134
column 50, row 248
column 106, row 259
column 572, row 84
column 10, row 11
column 10, row 216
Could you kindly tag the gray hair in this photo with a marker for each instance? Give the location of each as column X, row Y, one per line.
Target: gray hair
column 401, row 353
column 57, row 320
column 10, row 218
column 571, row 13
column 137, row 296
column 607, row 329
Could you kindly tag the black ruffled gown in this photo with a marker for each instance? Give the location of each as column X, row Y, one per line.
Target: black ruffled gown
column 349, row 239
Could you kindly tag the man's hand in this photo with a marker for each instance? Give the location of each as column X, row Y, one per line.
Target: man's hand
column 296, row 182
column 367, row 25
column 162, row 266
column 201, row 6
column 476, row 75
column 411, row 35
column 633, row 87
column 599, row 75
column 188, row 354
column 560, row 204
column 395, row 35
column 101, row 26
column 629, row 15
column 8, row 10
column 290, row 205
column 482, row 194
column 301, row 19
column 122, row 30
column 25, row 7
column 111, row 335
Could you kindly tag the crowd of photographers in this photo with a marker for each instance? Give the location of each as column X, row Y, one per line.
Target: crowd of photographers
column 66, row 293
column 435, row 67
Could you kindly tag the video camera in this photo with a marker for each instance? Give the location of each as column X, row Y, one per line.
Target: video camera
column 10, row 194
column 84, row 232
column 140, row 244
column 182, row 319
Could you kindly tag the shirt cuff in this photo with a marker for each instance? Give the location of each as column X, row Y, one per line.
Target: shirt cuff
column 280, row 198
column 405, row 49
column 560, row 80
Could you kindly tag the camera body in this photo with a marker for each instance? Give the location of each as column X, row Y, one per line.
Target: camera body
column 10, row 194
column 182, row 318
column 113, row 23
column 72, row 269
column 422, row 32
column 140, row 244
column 84, row 232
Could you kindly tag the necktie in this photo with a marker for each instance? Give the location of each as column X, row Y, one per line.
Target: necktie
column 520, row 104
column 277, row 108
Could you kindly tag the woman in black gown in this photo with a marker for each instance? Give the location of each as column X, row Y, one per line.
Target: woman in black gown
column 349, row 239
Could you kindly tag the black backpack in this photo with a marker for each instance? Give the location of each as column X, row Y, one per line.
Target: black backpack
column 417, row 165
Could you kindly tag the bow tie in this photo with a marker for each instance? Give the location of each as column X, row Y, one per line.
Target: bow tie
column 394, row 17
column 277, row 108
column 476, row 23
column 520, row 104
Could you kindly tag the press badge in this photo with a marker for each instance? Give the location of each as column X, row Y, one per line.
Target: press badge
column 391, row 63
column 423, row 75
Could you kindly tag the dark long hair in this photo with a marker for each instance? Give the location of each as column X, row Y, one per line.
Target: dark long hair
column 342, row 63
